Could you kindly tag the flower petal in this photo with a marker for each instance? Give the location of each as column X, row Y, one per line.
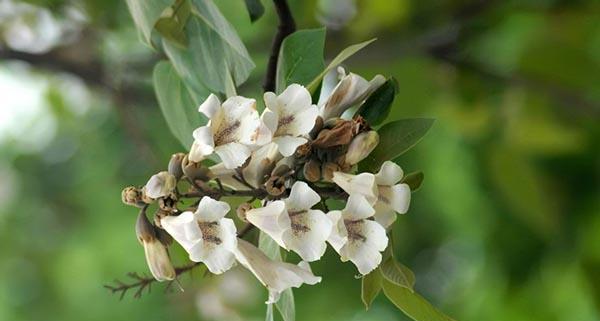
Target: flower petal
column 309, row 232
column 210, row 106
column 396, row 197
column 288, row 144
column 294, row 99
column 357, row 208
column 179, row 228
column 203, row 145
column 339, row 235
column 218, row 255
column 271, row 219
column 225, row 175
column 384, row 215
column 300, row 123
column 211, row 210
column 363, row 184
column 389, row 174
column 160, row 185
column 364, row 249
column 261, row 164
column 233, row 155
column 302, row 197
column 270, row 119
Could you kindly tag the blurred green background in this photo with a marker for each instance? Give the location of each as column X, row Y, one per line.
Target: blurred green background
column 505, row 227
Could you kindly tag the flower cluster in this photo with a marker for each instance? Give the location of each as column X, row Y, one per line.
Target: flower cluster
column 288, row 161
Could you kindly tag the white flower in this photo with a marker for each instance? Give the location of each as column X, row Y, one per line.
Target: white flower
column 356, row 238
column 293, row 224
column 380, row 189
column 233, row 128
column 160, row 185
column 290, row 117
column 275, row 275
column 351, row 90
column 206, row 235
column 156, row 253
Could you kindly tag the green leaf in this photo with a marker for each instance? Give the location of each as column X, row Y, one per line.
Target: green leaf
column 300, row 58
column 397, row 273
column 172, row 23
column 341, row 57
column 371, row 286
column 176, row 103
column 215, row 57
column 285, row 305
column 396, row 138
column 413, row 180
column 145, row 14
column 255, row 9
column 412, row 304
column 377, row 107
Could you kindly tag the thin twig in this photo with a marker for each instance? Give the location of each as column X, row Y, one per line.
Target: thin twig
column 286, row 26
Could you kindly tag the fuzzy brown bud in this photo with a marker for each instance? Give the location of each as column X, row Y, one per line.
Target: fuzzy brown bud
column 340, row 134
column 132, row 196
column 361, row 146
column 275, row 185
column 194, row 171
column 327, row 171
column 242, row 210
column 175, row 167
column 312, row 170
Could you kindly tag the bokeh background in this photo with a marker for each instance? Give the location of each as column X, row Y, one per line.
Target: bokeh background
column 505, row 227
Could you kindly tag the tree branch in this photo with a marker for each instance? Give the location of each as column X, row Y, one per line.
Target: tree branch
column 285, row 28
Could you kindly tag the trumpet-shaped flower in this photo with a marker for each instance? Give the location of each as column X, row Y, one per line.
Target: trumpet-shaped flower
column 290, row 117
column 351, row 90
column 355, row 237
column 233, row 128
column 275, row 275
column 160, row 185
column 381, row 190
column 206, row 235
column 293, row 224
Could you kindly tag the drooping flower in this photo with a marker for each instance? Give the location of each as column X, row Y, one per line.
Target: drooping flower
column 206, row 235
column 233, row 128
column 290, row 117
column 156, row 253
column 351, row 90
column 355, row 237
column 160, row 185
column 381, row 190
column 275, row 275
column 293, row 224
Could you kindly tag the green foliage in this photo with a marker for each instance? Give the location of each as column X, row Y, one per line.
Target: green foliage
column 396, row 138
column 146, row 13
column 411, row 303
column 370, row 287
column 176, row 103
column 255, row 9
column 397, row 273
column 376, row 108
column 413, row 180
column 171, row 24
column 341, row 57
column 300, row 58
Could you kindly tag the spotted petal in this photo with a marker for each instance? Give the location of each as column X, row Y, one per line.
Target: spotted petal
column 309, row 231
column 366, row 239
column 363, row 184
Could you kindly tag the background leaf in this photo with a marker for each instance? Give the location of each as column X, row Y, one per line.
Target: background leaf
column 146, row 13
column 341, row 57
column 396, row 138
column 377, row 107
column 413, row 180
column 215, row 57
column 176, row 103
column 285, row 305
column 172, row 25
column 370, row 287
column 300, row 58
column 412, row 304
column 255, row 9
column 397, row 273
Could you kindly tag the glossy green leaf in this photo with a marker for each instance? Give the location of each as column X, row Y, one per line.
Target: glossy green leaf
column 255, row 9
column 215, row 57
column 145, row 14
column 171, row 24
column 397, row 273
column 370, row 287
column 300, row 58
column 341, row 57
column 396, row 138
column 412, row 304
column 176, row 103
column 414, row 180
column 377, row 107
column 285, row 305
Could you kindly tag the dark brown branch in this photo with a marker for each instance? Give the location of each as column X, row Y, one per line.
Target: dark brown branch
column 286, row 27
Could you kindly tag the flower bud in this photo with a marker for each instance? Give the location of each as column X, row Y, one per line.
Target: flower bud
column 340, row 134
column 160, row 185
column 156, row 253
column 132, row 196
column 328, row 169
column 175, row 168
column 361, row 146
column 275, row 185
column 242, row 210
column 312, row 170
column 194, row 171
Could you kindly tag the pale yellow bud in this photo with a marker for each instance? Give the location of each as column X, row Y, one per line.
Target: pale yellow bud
column 361, row 146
